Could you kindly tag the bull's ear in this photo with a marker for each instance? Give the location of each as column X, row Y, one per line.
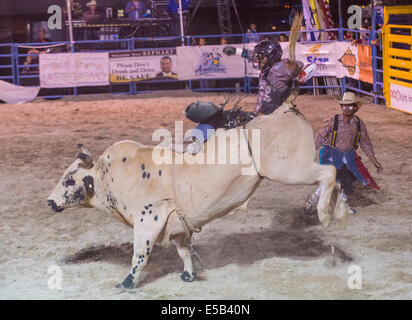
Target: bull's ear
column 87, row 161
column 84, row 150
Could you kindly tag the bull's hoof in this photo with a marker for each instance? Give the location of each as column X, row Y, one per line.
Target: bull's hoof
column 186, row 277
column 128, row 283
column 325, row 221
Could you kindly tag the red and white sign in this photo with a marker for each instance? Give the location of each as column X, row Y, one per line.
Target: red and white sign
column 63, row 70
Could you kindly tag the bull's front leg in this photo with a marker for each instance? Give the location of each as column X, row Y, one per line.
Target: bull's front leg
column 183, row 249
column 148, row 222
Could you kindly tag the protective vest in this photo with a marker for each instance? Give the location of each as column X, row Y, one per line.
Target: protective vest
column 335, row 131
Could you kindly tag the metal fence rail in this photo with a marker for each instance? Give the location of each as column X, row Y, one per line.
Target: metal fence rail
column 7, row 65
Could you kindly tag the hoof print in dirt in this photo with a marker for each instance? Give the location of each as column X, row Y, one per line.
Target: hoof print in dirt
column 186, row 277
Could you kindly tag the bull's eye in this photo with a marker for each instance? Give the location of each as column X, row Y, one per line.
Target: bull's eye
column 69, row 182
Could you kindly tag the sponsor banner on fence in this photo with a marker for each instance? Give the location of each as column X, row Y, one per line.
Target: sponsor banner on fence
column 209, row 62
column 339, row 59
column 62, row 70
column 347, row 60
column 334, row 59
column 401, row 97
column 321, row 54
column 141, row 65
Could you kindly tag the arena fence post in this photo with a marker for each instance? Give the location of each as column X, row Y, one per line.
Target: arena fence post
column 16, row 63
column 340, row 33
column 73, row 50
column 343, row 83
column 246, row 79
column 373, row 52
column 189, row 41
column 130, row 46
column 13, row 62
column 341, row 38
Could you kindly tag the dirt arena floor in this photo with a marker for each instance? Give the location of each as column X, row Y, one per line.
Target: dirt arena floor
column 274, row 250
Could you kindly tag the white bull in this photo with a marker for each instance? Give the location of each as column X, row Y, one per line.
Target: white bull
column 164, row 202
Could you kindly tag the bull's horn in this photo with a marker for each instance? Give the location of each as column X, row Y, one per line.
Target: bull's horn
column 87, row 161
column 84, row 150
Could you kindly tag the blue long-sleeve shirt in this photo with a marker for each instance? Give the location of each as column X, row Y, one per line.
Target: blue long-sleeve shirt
column 136, row 13
column 174, row 7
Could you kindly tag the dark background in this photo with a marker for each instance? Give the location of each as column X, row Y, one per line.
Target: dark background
column 14, row 15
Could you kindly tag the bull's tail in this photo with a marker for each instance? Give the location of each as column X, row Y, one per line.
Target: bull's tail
column 294, row 33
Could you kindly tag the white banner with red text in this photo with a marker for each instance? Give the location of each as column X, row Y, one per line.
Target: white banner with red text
column 62, row 70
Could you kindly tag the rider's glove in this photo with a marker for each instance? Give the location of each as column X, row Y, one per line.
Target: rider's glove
column 230, row 51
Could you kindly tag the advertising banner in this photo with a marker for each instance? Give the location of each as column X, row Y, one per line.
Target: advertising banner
column 321, row 54
column 63, row 70
column 333, row 59
column 401, row 97
column 209, row 62
column 336, row 59
column 347, row 60
column 141, row 65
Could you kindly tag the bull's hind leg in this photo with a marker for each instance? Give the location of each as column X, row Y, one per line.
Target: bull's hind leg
column 326, row 176
column 309, row 173
column 148, row 222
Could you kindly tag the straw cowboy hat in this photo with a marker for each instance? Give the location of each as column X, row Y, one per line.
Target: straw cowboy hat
column 91, row 3
column 348, row 98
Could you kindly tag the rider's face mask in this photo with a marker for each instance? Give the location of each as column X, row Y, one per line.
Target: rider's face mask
column 259, row 62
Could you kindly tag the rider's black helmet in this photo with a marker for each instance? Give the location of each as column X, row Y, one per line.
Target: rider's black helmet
column 270, row 49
